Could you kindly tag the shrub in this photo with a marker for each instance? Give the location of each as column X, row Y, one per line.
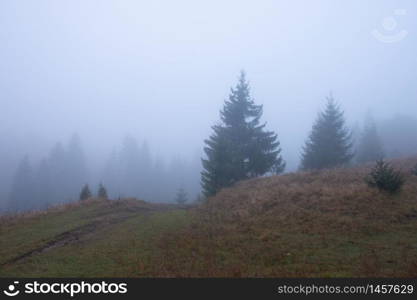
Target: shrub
column 384, row 177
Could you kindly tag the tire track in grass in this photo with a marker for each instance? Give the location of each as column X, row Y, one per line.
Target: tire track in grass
column 75, row 235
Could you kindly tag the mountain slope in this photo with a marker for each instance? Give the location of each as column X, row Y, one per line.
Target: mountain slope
column 314, row 224
column 327, row 223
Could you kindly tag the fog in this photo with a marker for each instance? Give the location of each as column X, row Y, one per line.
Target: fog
column 159, row 72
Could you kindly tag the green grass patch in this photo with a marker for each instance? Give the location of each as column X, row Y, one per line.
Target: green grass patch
column 125, row 249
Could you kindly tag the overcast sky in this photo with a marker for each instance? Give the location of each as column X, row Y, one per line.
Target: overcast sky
column 161, row 70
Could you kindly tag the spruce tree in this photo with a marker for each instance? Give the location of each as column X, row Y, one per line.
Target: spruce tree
column 58, row 190
column 75, row 166
column 181, row 197
column 22, row 196
column 370, row 146
column 85, row 193
column 218, row 166
column 43, row 184
column 145, row 166
column 112, row 174
column 384, row 177
column 240, row 147
column 131, row 171
column 330, row 142
column 414, row 170
column 102, row 192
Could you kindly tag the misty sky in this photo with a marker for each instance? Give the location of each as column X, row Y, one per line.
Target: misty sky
column 161, row 70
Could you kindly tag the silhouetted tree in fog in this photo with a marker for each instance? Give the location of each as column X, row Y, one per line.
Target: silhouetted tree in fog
column 59, row 176
column 399, row 135
column 160, row 177
column 240, row 147
column 112, row 175
column 181, row 197
column 58, row 184
column 330, row 142
column 145, row 166
column 43, row 182
column 102, row 192
column 134, row 171
column 370, row 146
column 130, row 167
column 85, row 192
column 414, row 170
column 75, row 166
column 22, row 194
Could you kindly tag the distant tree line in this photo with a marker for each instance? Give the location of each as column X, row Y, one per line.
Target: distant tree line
column 129, row 172
column 132, row 171
column 55, row 179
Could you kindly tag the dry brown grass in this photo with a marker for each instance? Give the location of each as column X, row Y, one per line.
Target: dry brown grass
column 326, row 223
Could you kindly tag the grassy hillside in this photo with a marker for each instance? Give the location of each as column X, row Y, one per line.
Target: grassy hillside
column 326, row 224
column 96, row 238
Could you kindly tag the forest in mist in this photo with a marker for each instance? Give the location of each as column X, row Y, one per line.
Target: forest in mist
column 126, row 94
column 132, row 169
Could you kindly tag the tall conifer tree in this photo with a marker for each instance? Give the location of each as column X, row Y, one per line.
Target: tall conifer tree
column 370, row 146
column 22, row 196
column 85, row 193
column 330, row 142
column 102, row 192
column 181, row 197
column 240, row 147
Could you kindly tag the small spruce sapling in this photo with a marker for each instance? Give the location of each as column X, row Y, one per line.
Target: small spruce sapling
column 385, row 178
